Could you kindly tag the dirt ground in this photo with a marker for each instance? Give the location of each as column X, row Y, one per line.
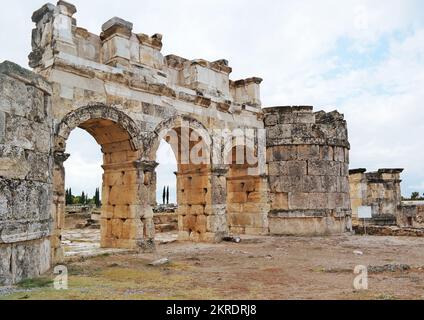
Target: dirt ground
column 257, row 268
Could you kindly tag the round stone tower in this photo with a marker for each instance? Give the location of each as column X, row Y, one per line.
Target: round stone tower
column 308, row 171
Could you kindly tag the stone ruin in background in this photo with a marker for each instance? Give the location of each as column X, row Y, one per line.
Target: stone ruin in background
column 381, row 192
column 119, row 87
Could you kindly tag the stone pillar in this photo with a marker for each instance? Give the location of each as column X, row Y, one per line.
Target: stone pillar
column 202, row 204
column 59, row 207
column 247, row 203
column 116, row 42
column 53, row 34
column 63, row 28
column 147, row 170
column 126, row 219
column 308, row 169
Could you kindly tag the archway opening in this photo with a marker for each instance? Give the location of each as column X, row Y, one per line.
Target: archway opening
column 121, row 222
column 166, row 205
column 83, row 191
column 191, row 149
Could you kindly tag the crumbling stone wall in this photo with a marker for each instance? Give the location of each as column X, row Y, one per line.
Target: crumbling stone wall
column 26, row 163
column 308, row 167
column 379, row 190
column 411, row 214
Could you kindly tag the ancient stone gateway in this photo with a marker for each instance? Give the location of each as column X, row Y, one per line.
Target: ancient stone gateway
column 242, row 169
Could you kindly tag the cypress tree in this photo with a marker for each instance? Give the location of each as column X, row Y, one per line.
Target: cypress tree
column 71, row 197
column 167, row 195
column 164, row 195
column 97, row 198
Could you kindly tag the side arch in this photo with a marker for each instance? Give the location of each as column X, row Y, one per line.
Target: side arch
column 126, row 218
column 152, row 141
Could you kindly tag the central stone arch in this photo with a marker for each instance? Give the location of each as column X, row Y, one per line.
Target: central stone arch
column 124, row 223
column 200, row 183
column 177, row 122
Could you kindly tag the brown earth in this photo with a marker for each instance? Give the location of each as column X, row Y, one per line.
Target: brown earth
column 256, row 268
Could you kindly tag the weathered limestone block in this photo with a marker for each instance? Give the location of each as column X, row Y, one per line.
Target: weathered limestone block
column 23, row 260
column 246, row 91
column 25, row 174
column 116, row 42
column 307, row 170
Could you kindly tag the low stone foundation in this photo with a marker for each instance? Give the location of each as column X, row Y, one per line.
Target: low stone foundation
column 389, row 231
column 22, row 260
column 303, row 224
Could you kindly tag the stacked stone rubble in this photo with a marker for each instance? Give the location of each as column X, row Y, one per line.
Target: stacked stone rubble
column 25, row 174
column 308, row 168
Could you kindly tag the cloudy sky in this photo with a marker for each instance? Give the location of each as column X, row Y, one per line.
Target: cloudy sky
column 364, row 58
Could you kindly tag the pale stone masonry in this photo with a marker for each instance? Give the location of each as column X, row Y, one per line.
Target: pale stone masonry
column 308, row 167
column 412, row 214
column 379, row 190
column 120, row 88
column 26, row 185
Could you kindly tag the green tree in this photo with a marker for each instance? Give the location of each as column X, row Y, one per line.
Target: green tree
column 83, row 198
column 69, row 197
column 167, row 195
column 97, row 198
column 164, row 195
column 415, row 196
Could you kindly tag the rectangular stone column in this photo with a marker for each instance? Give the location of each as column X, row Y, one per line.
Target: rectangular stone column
column 122, row 205
column 202, row 204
